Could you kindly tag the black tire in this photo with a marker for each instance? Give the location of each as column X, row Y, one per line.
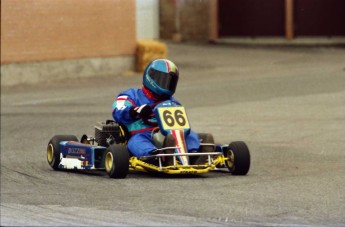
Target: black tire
column 53, row 149
column 116, row 161
column 204, row 138
column 238, row 156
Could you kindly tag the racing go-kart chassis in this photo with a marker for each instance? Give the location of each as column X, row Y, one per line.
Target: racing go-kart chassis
column 108, row 150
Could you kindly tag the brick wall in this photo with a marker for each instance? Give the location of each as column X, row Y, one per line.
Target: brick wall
column 41, row 30
column 167, row 12
column 194, row 19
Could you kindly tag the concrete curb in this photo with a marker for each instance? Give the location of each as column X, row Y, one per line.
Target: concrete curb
column 36, row 72
column 277, row 42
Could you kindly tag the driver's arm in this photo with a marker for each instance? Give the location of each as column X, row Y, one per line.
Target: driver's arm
column 122, row 109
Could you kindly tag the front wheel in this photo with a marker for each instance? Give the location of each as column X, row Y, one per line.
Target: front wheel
column 238, row 158
column 53, row 149
column 117, row 161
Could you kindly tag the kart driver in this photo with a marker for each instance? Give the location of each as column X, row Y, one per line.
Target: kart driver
column 134, row 106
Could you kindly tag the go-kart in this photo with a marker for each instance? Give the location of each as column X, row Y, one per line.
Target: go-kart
column 107, row 150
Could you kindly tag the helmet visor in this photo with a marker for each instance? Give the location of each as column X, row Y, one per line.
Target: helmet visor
column 164, row 80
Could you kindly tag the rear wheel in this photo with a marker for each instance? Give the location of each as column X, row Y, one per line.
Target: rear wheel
column 205, row 138
column 53, row 149
column 117, row 161
column 238, row 156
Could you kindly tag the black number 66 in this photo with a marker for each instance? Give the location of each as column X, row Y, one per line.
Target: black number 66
column 170, row 119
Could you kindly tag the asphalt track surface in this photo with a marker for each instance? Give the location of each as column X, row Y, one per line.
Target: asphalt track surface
column 286, row 104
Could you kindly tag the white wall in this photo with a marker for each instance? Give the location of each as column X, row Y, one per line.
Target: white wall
column 147, row 19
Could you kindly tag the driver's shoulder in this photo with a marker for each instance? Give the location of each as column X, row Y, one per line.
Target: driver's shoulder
column 131, row 93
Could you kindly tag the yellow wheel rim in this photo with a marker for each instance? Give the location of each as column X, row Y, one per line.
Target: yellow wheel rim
column 108, row 162
column 231, row 159
column 50, row 153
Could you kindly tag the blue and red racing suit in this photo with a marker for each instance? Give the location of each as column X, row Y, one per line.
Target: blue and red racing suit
column 140, row 143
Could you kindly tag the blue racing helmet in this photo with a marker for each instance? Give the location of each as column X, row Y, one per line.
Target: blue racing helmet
column 160, row 77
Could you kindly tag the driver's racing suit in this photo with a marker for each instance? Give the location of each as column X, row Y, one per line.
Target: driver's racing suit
column 140, row 143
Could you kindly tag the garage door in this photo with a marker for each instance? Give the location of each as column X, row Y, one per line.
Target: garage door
column 319, row 17
column 251, row 18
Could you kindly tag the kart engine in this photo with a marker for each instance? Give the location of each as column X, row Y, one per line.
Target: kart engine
column 109, row 132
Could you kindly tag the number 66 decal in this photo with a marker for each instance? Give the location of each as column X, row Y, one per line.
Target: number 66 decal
column 173, row 118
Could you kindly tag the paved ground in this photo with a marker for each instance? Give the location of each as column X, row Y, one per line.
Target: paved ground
column 287, row 104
